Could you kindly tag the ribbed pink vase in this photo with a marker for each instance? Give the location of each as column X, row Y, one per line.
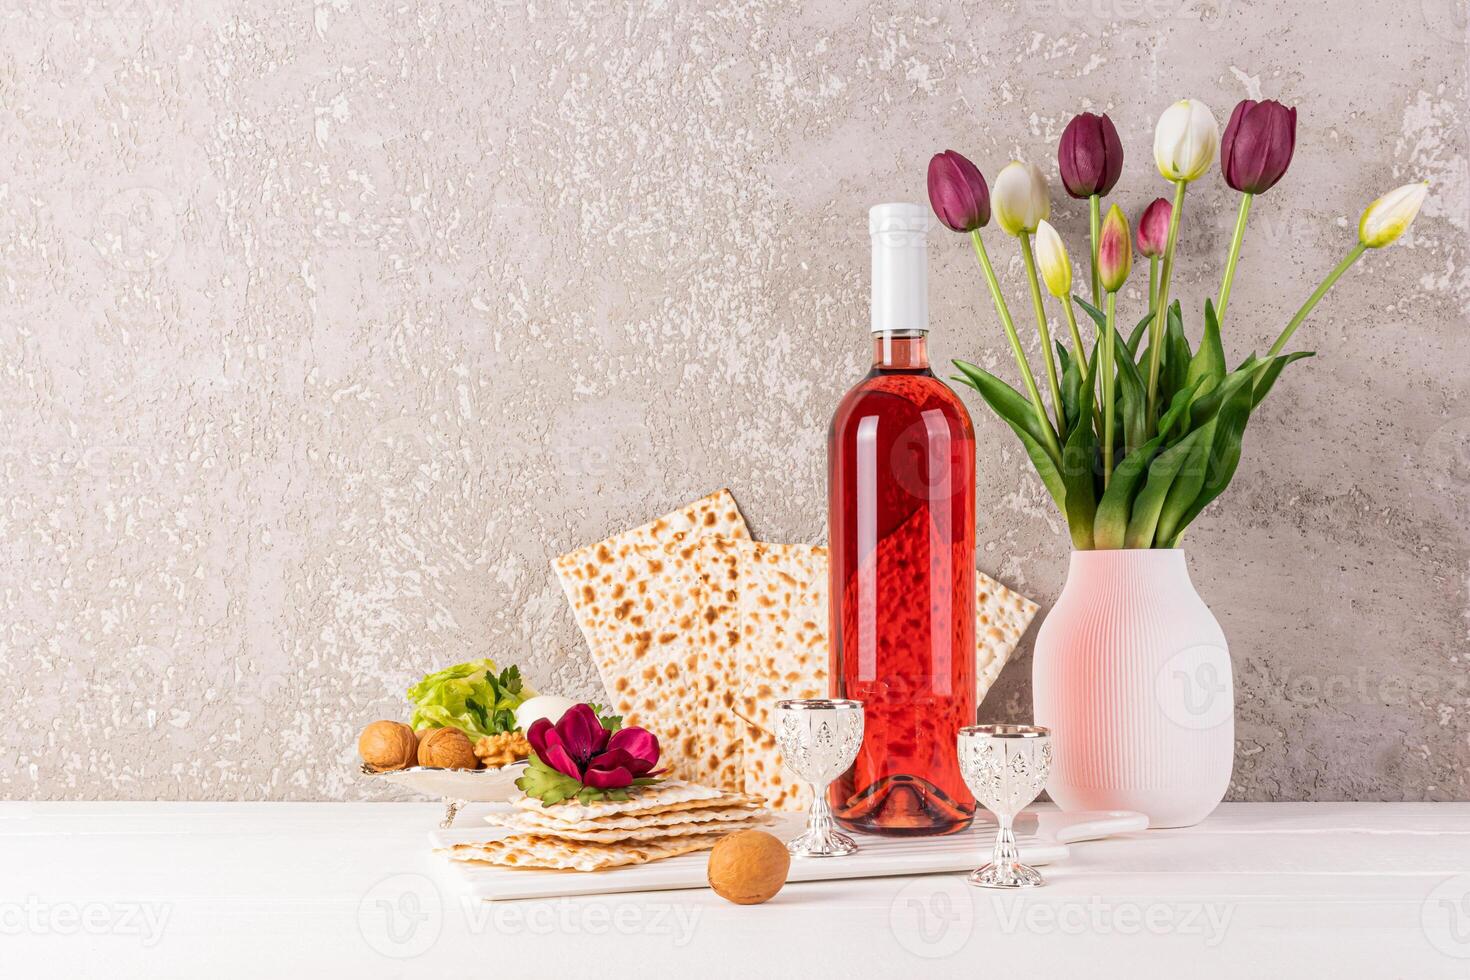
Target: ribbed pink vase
column 1132, row 675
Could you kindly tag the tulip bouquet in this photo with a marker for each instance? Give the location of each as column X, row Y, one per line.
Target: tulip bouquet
column 1144, row 431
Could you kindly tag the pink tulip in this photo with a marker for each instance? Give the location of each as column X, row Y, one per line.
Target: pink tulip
column 1114, row 251
column 1153, row 228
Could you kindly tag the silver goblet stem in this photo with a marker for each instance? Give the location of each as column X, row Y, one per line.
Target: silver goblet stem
column 1005, row 854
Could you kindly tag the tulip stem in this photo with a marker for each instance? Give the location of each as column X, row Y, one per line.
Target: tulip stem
column 1161, row 308
column 1153, row 281
column 1107, row 384
column 1316, row 297
column 1045, row 332
column 1236, row 239
column 1094, row 214
column 1047, row 432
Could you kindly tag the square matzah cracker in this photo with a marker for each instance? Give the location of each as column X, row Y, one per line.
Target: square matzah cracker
column 767, row 614
column 636, row 596
column 719, row 733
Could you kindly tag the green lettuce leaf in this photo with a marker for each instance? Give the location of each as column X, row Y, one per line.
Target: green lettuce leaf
column 476, row 698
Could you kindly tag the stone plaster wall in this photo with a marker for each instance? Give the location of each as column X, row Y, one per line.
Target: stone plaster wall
column 326, row 324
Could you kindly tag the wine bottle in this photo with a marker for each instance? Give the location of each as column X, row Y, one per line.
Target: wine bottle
column 901, row 525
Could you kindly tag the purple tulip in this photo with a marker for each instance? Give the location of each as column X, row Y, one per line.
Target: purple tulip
column 957, row 192
column 1153, row 228
column 1090, row 155
column 580, row 747
column 1257, row 146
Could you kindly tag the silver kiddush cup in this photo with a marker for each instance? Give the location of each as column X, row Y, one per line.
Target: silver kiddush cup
column 819, row 738
column 1006, row 767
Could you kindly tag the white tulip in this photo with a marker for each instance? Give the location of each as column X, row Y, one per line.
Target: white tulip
column 1056, row 265
column 1185, row 140
column 1390, row 216
column 1019, row 199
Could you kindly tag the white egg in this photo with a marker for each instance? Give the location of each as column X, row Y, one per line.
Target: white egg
column 550, row 706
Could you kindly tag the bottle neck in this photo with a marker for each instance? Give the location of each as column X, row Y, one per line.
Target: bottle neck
column 901, row 350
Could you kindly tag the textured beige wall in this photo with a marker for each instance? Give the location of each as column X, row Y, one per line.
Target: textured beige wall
column 325, row 325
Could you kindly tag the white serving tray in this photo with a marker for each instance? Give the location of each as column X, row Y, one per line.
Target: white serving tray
column 1043, row 836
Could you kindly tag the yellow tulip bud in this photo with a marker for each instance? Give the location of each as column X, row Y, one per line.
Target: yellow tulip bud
column 1391, row 215
column 1051, row 255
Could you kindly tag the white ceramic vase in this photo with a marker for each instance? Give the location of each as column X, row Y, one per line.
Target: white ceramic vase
column 1132, row 675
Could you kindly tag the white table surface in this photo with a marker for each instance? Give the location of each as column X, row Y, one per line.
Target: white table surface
column 351, row 890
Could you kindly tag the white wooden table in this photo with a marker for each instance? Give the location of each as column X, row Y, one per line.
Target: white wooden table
column 350, row 890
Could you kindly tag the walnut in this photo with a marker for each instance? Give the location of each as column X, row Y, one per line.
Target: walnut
column 503, row 749
column 748, row 867
column 446, row 748
column 386, row 745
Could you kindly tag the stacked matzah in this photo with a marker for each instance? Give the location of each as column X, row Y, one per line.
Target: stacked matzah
column 659, row 821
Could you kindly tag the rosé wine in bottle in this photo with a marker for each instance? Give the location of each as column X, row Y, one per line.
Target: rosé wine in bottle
column 901, row 523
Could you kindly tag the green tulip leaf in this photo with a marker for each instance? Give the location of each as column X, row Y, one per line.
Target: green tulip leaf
column 1268, row 377
column 1079, row 457
column 1018, row 413
column 1139, row 330
column 1209, row 360
column 1071, row 385
column 1133, row 398
column 1110, row 526
column 1208, row 401
column 1177, row 408
column 1098, row 316
column 1150, row 500
column 1177, row 355
column 1007, row 402
column 1229, row 433
column 1187, row 482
